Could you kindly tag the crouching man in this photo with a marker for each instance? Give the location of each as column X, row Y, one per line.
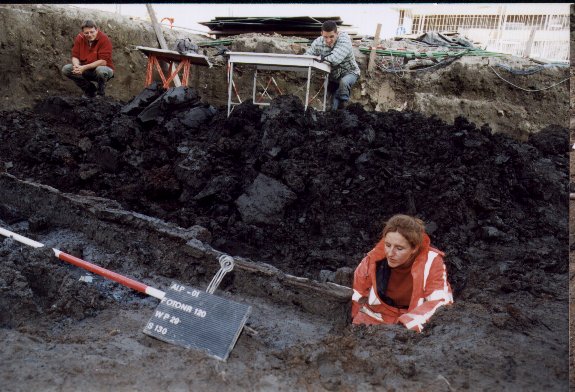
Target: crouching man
column 91, row 60
column 336, row 48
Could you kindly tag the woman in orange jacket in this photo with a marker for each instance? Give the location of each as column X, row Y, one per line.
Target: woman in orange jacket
column 401, row 280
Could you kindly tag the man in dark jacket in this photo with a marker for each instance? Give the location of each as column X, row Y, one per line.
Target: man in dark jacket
column 91, row 60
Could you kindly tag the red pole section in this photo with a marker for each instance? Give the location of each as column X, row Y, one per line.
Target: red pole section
column 131, row 283
column 101, row 271
column 125, row 281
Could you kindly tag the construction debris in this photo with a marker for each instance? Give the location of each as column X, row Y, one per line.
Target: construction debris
column 303, row 26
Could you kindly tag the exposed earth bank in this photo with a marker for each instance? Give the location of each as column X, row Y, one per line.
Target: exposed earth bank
column 307, row 192
column 36, row 41
column 299, row 197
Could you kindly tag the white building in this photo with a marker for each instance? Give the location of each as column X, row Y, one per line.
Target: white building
column 537, row 30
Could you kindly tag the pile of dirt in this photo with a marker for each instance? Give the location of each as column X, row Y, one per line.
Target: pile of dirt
column 307, row 192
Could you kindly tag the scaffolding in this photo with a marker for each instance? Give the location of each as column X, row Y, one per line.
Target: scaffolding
column 540, row 36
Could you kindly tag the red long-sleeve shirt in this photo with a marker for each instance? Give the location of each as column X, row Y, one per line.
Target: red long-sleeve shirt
column 400, row 285
column 101, row 49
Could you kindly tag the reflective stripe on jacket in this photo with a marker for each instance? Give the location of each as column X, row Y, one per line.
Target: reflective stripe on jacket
column 430, row 287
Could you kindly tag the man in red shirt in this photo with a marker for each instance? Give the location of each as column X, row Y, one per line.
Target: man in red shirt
column 91, row 60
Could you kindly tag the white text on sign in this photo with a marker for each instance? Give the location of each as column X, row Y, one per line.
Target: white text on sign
column 167, row 316
column 185, row 307
column 180, row 288
column 157, row 328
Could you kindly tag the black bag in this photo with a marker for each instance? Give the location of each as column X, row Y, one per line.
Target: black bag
column 185, row 46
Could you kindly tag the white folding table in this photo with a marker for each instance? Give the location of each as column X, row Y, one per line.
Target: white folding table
column 276, row 62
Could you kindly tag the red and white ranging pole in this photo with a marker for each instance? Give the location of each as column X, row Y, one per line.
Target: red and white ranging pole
column 123, row 280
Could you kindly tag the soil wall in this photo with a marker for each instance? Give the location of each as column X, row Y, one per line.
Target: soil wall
column 156, row 192
column 36, row 42
column 572, row 209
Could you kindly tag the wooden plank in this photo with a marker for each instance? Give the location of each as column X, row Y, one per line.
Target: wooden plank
column 196, row 59
column 371, row 64
column 160, row 36
column 529, row 43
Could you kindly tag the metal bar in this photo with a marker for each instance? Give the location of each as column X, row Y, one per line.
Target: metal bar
column 254, row 88
column 215, row 43
column 529, row 43
column 307, row 86
column 230, row 80
column 186, row 73
column 278, row 87
column 174, row 74
column 278, row 59
column 266, row 91
column 149, row 71
column 281, row 68
column 159, row 69
column 236, row 91
column 315, row 96
column 325, row 90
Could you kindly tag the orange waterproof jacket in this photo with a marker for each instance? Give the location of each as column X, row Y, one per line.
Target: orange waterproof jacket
column 430, row 289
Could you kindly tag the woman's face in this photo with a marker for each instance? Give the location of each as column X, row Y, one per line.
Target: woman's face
column 397, row 249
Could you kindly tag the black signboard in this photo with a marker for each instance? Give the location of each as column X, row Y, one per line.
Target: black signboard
column 195, row 319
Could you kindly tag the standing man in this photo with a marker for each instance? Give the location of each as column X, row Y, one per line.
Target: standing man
column 91, row 60
column 336, row 48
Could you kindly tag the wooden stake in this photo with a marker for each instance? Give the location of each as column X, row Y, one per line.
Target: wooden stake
column 371, row 64
column 160, row 36
column 529, row 43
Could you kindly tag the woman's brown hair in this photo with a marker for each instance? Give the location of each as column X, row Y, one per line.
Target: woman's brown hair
column 408, row 226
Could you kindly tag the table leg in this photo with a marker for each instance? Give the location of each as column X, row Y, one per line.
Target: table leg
column 325, row 90
column 160, row 72
column 254, row 89
column 186, row 74
column 174, row 74
column 149, row 71
column 230, row 81
column 307, row 87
